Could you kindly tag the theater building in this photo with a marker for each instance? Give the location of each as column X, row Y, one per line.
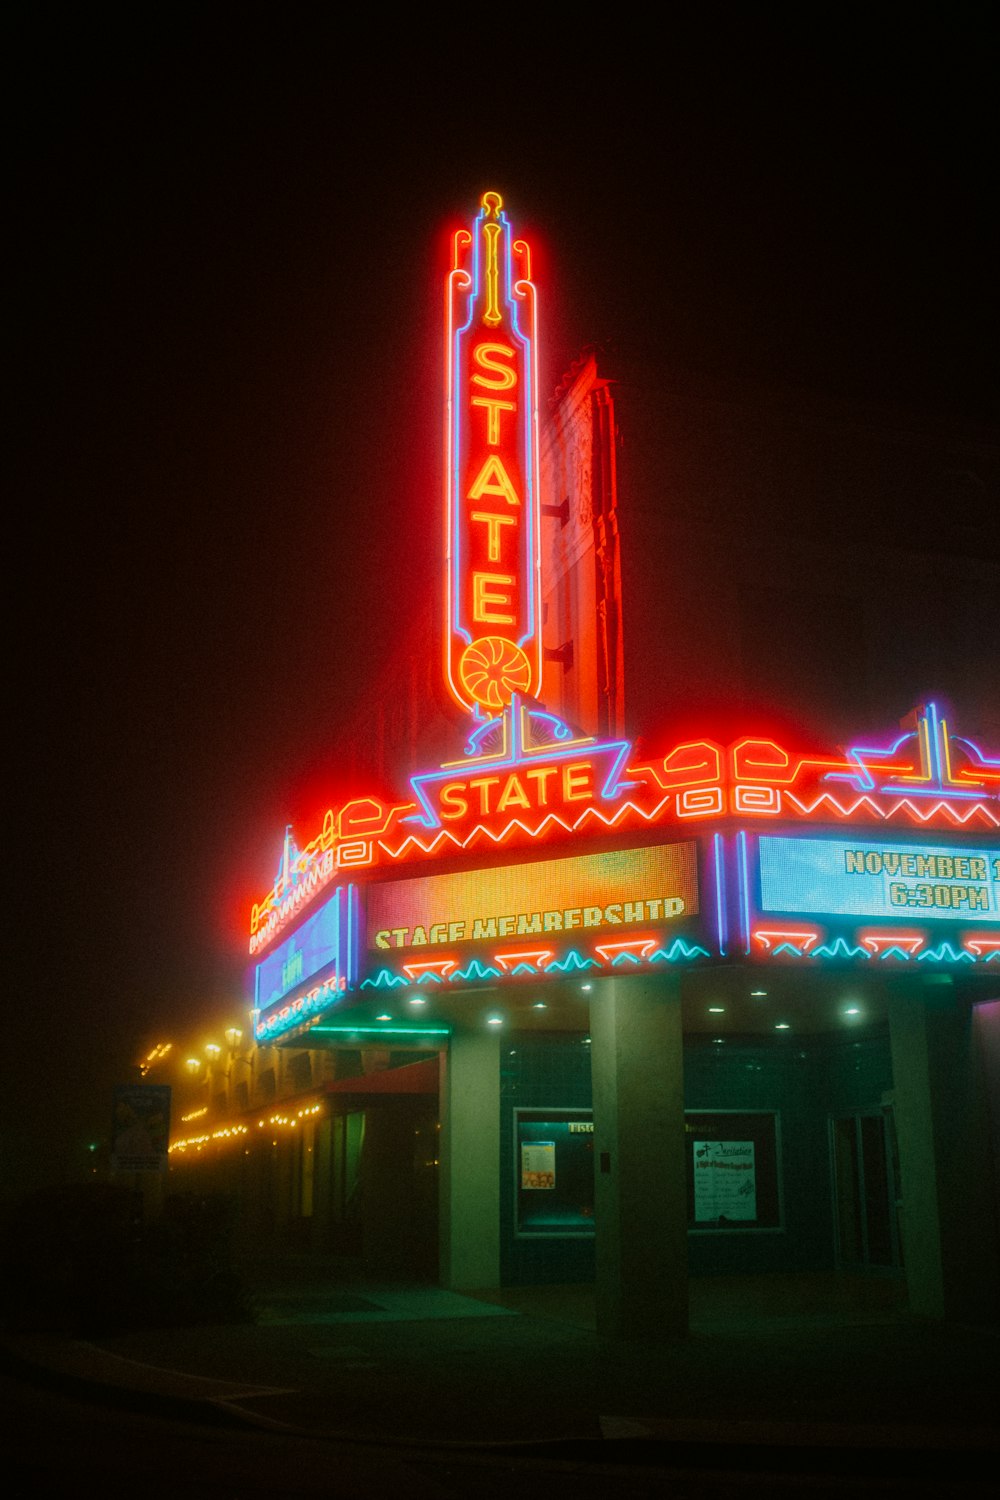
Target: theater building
column 615, row 990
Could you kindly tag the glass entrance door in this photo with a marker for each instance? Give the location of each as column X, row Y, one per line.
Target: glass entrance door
column 864, row 1185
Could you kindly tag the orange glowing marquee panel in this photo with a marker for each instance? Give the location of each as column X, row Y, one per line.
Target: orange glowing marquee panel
column 594, row 895
column 493, row 593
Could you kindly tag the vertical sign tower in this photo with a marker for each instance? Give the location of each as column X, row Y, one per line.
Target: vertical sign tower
column 493, row 592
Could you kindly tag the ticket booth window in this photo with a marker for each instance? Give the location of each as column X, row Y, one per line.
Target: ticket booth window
column 554, row 1173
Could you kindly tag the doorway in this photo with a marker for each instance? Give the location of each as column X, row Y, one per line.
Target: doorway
column 865, row 1173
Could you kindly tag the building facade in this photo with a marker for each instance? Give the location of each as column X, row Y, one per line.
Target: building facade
column 679, row 952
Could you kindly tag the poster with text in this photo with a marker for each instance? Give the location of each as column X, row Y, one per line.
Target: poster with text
column 725, row 1181
column 538, row 1164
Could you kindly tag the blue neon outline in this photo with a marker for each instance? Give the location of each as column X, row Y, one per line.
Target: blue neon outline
column 476, row 970
column 743, row 887
column 944, row 953
column 839, row 946
column 722, row 926
column 384, row 979
column 929, row 735
column 575, row 961
column 679, row 949
column 353, row 935
column 339, row 965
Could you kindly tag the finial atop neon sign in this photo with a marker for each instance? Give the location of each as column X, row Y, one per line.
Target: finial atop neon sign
column 493, row 594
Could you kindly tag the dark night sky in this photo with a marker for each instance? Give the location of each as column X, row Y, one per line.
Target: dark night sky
column 229, row 246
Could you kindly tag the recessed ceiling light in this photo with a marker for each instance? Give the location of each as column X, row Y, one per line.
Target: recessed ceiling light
column 853, row 1010
column 757, row 994
column 586, row 986
column 716, row 1010
column 417, row 1000
column 385, row 1016
column 782, row 1026
column 539, row 1005
column 494, row 1020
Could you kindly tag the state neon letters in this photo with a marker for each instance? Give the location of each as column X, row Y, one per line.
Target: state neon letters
column 492, row 641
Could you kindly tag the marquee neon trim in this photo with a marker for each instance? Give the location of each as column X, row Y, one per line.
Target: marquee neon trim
column 536, row 957
column 927, row 778
column 881, row 942
column 773, row 939
column 645, row 953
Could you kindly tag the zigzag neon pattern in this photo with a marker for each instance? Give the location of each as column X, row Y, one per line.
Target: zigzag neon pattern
column 945, row 953
column 839, row 948
column 444, row 836
column 476, row 970
column 574, row 962
column 961, row 817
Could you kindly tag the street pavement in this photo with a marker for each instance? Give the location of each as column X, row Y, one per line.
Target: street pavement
column 790, row 1373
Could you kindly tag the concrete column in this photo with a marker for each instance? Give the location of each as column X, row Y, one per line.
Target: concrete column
column 470, row 1162
column 950, row 1236
column 640, row 1190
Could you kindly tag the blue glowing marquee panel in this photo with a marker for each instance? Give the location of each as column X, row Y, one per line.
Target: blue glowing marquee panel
column 855, row 878
column 321, row 953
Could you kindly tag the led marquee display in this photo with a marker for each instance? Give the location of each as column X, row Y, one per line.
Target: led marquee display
column 312, row 947
column 851, row 878
column 627, row 888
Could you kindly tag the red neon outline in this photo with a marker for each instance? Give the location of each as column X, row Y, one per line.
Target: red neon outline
column 642, row 947
column 714, row 806
column 976, row 942
column 799, row 938
column 523, row 289
column 355, row 854
column 746, row 768
column 667, row 777
column 745, row 793
column 910, row 942
column 512, row 959
column 440, row 966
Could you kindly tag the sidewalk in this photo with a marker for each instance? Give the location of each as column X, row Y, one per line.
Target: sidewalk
column 784, row 1365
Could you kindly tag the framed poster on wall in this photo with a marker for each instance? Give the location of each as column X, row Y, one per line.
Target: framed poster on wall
column 733, row 1170
column 554, row 1173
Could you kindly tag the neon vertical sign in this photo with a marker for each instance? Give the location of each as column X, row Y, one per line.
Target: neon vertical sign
column 493, row 590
